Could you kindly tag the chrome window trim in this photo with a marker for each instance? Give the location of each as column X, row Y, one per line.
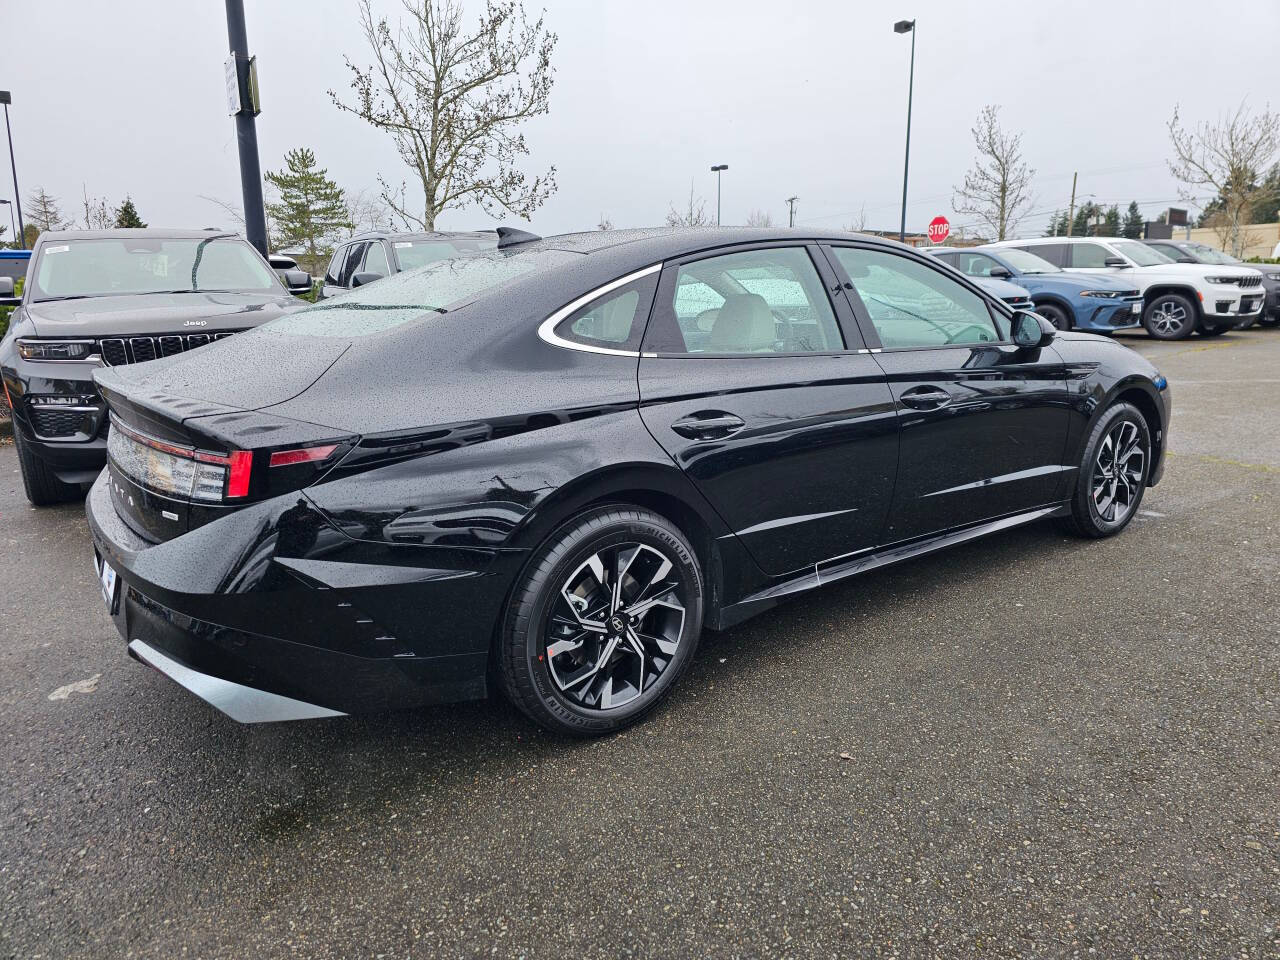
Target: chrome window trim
column 547, row 331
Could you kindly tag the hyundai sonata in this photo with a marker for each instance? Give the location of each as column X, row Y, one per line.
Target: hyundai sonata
column 549, row 467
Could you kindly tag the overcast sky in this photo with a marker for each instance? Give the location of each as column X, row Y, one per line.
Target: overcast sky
column 798, row 98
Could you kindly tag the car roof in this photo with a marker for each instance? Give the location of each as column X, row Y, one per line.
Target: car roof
column 423, row 235
column 1039, row 240
column 136, row 233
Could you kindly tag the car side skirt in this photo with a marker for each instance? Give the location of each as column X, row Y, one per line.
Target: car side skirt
column 839, row 568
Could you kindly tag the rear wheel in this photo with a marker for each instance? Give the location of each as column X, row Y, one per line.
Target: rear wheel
column 603, row 621
column 1113, row 473
column 42, row 485
column 1170, row 316
column 1055, row 315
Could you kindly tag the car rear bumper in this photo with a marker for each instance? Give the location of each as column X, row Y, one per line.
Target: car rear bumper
column 279, row 648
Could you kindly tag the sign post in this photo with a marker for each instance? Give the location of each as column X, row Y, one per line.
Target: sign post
column 939, row 230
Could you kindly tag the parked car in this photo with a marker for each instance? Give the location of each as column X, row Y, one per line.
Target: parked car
column 1015, row 296
column 372, row 256
column 115, row 297
column 1185, row 251
column 538, row 461
column 13, row 267
column 1178, row 298
column 1069, row 301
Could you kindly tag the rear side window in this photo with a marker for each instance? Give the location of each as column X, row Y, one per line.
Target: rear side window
column 613, row 321
column 1089, row 255
column 1055, row 253
column 913, row 305
column 768, row 301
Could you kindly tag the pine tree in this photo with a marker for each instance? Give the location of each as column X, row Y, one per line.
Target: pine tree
column 1111, row 222
column 1086, row 213
column 42, row 211
column 1133, row 222
column 312, row 208
column 127, row 214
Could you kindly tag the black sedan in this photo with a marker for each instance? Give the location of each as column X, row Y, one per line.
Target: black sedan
column 548, row 468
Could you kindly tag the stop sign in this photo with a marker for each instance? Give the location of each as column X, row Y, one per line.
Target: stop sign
column 939, row 229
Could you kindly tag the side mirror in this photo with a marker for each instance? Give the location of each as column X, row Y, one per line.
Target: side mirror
column 1000, row 273
column 298, row 282
column 1115, row 262
column 1032, row 331
column 360, row 279
column 7, row 298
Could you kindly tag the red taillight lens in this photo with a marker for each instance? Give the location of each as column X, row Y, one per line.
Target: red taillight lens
column 287, row 458
column 241, row 465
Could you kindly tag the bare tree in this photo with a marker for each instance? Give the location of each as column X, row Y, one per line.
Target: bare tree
column 97, row 215
column 760, row 218
column 859, row 223
column 42, row 211
column 366, row 210
column 454, row 102
column 1227, row 155
column 235, row 213
column 996, row 189
column 605, row 223
column 695, row 216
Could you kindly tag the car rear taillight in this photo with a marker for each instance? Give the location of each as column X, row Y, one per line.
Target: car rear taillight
column 178, row 470
column 240, row 464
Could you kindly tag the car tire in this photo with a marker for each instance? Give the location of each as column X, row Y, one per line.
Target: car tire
column 1055, row 315
column 43, row 488
column 1107, row 494
column 1170, row 316
column 1269, row 321
column 581, row 658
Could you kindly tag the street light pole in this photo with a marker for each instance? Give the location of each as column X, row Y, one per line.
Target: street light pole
column 255, row 218
column 791, row 211
column 6, row 99
column 717, row 170
column 907, row 26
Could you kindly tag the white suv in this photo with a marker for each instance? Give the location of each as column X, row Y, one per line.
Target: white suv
column 1178, row 298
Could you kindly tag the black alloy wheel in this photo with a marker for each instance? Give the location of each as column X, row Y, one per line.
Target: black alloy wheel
column 1170, row 316
column 1113, row 473
column 602, row 623
column 1055, row 315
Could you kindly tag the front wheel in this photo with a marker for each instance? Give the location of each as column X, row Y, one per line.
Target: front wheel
column 1113, row 473
column 1055, row 315
column 603, row 621
column 1170, row 316
column 42, row 486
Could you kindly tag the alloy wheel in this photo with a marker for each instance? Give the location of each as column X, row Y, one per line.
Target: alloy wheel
column 615, row 626
column 1169, row 317
column 1118, row 472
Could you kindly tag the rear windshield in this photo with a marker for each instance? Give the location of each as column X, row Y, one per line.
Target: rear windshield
column 113, row 267
column 440, row 287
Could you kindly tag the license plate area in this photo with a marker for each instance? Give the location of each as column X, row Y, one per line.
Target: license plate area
column 108, row 582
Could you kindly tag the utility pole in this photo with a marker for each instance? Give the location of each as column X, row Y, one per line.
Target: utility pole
column 242, row 95
column 791, row 215
column 6, row 98
column 1071, row 212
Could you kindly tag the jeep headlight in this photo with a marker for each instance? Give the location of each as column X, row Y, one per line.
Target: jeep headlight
column 57, row 349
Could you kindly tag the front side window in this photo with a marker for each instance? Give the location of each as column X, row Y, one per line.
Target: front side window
column 1028, row 262
column 975, row 264
column 375, row 260
column 355, row 253
column 1092, row 256
column 913, row 305
column 114, row 267
column 768, row 301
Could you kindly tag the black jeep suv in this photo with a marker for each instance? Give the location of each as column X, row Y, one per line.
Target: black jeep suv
column 112, row 297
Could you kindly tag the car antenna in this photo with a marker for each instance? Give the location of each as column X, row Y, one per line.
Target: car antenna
column 510, row 237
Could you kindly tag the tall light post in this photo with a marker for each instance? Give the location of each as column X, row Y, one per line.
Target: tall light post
column 242, row 91
column 907, row 26
column 791, row 211
column 717, row 170
column 6, row 99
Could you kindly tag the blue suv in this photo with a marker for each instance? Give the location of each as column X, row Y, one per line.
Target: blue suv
column 1070, row 301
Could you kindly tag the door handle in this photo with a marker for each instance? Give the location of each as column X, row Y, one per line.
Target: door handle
column 708, row 425
column 925, row 398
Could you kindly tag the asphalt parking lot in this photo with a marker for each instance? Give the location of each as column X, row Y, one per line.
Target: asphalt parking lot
column 1029, row 745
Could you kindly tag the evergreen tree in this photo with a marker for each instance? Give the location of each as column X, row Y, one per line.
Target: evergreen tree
column 1133, row 222
column 127, row 214
column 1086, row 213
column 42, row 212
column 312, row 208
column 1057, row 225
column 1111, row 222
column 1267, row 209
